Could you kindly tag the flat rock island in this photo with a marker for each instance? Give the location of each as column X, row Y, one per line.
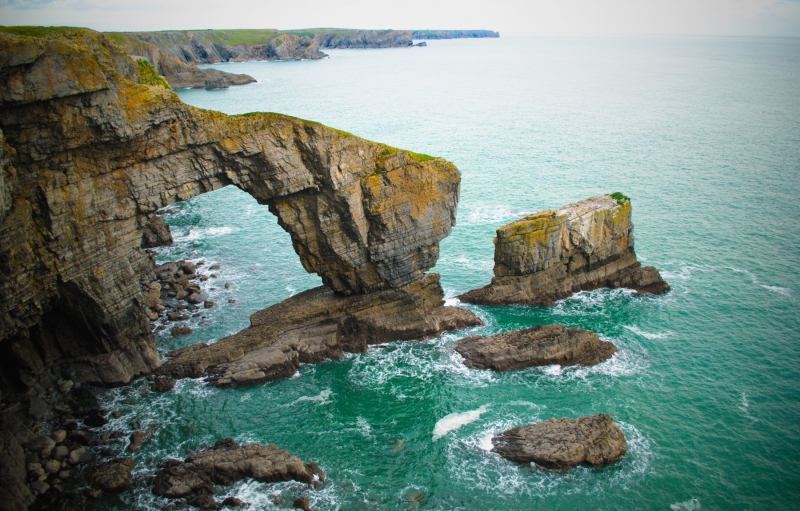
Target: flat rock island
column 549, row 255
column 537, row 346
column 564, row 443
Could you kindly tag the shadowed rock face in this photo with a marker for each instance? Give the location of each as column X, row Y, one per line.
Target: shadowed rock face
column 564, row 443
column 88, row 155
column 552, row 254
column 537, row 346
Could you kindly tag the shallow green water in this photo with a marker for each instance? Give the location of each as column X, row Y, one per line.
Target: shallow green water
column 702, row 133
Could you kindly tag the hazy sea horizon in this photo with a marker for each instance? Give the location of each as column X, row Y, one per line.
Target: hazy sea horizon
column 703, row 133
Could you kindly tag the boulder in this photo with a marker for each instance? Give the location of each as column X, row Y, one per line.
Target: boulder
column 112, row 476
column 536, row 346
column 60, row 452
column 177, row 331
column 549, row 255
column 162, row 383
column 137, row 439
column 226, row 463
column 196, row 298
column 564, row 443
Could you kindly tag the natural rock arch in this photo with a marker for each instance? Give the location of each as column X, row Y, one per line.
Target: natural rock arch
column 87, row 157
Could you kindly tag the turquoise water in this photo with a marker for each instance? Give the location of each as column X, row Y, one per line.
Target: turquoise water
column 702, row 133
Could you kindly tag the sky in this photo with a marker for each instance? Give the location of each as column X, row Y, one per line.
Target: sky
column 509, row 17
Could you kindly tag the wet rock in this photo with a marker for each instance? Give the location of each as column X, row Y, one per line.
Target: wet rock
column 195, row 298
column 232, row 300
column 64, row 474
column 116, row 414
column 39, row 487
column 156, row 233
column 59, row 436
column 81, row 436
column 95, row 419
column 41, row 443
column 177, row 316
column 112, row 476
column 550, row 255
column 60, row 452
column 226, row 463
column 35, row 470
column 79, row 455
column 208, row 304
column 214, row 267
column 52, row 466
column 227, row 285
column 302, row 503
column 93, row 493
column 561, row 444
column 177, row 331
column 537, row 346
column 188, row 267
column 162, row 383
column 233, row 502
column 137, row 439
column 319, row 324
column 65, row 386
column 204, row 278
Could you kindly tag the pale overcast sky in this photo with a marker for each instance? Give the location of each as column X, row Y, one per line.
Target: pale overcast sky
column 510, row 17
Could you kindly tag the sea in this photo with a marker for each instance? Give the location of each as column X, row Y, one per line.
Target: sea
column 703, row 133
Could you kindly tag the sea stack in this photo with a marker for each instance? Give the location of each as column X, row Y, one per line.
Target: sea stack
column 537, row 346
column 549, row 255
column 564, row 443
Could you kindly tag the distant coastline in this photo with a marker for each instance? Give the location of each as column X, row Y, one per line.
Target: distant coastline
column 176, row 54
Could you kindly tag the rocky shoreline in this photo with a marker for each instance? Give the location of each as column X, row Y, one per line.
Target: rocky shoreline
column 537, row 346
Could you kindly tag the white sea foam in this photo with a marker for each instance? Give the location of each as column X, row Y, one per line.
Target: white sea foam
column 455, row 421
column 648, row 335
column 745, row 407
column 553, row 370
column 494, row 214
column 321, row 398
column 364, row 427
column 292, row 291
column 209, row 232
column 785, row 291
column 689, row 505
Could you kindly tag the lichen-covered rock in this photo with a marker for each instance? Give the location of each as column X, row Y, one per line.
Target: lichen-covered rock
column 550, row 255
column 89, row 155
column 112, row 476
column 226, row 463
column 564, row 443
column 319, row 324
column 537, row 346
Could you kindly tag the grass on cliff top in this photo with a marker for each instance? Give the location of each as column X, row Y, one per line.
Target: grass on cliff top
column 236, row 37
column 32, row 31
column 149, row 76
column 619, row 197
column 311, row 32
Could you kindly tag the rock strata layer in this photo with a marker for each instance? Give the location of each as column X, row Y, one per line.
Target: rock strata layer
column 537, row 346
column 319, row 324
column 549, row 255
column 564, row 443
column 87, row 157
column 226, row 463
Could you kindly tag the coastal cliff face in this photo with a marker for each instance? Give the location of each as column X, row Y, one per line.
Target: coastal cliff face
column 550, row 255
column 88, row 155
column 454, row 34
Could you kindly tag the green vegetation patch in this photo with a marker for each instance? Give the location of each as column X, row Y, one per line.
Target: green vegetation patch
column 619, row 197
column 149, row 76
column 38, row 31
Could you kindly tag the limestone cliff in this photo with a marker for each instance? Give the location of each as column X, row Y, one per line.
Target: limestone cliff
column 550, row 255
column 88, row 155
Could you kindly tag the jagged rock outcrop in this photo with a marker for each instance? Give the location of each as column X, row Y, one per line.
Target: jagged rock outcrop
column 364, row 39
column 224, row 464
column 112, row 476
column 564, row 443
column 88, row 157
column 550, row 255
column 319, row 324
column 538, row 346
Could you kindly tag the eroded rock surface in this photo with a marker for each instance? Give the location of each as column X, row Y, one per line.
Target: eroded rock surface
column 319, row 324
column 552, row 254
column 564, row 443
column 537, row 346
column 89, row 155
column 112, row 476
column 228, row 462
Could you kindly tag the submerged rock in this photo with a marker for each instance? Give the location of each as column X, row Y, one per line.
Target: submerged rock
column 537, row 346
column 564, row 443
column 112, row 476
column 549, row 255
column 228, row 462
column 319, row 324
